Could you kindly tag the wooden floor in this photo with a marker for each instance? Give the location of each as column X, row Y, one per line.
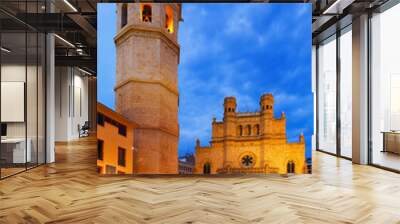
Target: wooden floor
column 5, row 172
column 387, row 159
column 70, row 191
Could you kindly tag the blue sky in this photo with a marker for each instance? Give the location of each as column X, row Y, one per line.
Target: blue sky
column 241, row 50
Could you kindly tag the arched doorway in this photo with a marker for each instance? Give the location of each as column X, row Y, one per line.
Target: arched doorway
column 207, row 168
column 290, row 167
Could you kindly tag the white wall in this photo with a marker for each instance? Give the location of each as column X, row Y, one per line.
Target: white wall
column 12, row 73
column 71, row 102
column 61, row 103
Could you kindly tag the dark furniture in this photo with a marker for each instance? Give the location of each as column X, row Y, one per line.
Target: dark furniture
column 84, row 130
column 391, row 141
column 3, row 129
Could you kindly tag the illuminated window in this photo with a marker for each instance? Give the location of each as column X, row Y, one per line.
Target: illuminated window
column 169, row 19
column 124, row 15
column 146, row 13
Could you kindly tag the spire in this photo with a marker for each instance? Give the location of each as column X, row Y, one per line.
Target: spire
column 301, row 137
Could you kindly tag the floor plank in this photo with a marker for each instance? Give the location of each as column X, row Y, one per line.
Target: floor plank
column 70, row 191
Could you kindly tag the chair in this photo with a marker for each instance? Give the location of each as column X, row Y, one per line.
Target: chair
column 84, row 130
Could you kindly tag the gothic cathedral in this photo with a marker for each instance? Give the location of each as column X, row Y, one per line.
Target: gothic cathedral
column 250, row 142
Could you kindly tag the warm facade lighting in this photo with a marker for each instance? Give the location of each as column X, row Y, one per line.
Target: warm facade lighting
column 169, row 19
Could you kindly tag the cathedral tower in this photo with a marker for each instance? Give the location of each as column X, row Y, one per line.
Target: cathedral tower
column 230, row 116
column 267, row 114
column 146, row 88
column 229, row 126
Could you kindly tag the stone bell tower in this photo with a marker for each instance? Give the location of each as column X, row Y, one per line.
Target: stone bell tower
column 146, row 88
column 267, row 114
column 229, row 127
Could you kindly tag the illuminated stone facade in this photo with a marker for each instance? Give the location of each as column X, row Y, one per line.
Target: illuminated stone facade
column 250, row 143
column 146, row 88
column 115, row 150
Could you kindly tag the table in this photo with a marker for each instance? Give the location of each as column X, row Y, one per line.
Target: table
column 391, row 141
column 13, row 150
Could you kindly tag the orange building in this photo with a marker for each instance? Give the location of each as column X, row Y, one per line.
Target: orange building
column 115, row 138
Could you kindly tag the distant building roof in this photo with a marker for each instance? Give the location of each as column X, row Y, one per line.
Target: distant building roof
column 117, row 116
column 187, row 159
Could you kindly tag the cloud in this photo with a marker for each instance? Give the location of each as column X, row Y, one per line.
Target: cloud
column 301, row 113
column 285, row 98
column 244, row 51
column 239, row 23
column 200, row 127
column 303, row 10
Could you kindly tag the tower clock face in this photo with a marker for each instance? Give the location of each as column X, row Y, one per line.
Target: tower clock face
column 247, row 161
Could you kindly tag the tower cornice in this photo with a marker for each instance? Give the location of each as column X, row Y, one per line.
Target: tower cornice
column 156, row 82
column 145, row 31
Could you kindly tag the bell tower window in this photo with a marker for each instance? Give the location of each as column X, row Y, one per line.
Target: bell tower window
column 169, row 19
column 124, row 15
column 248, row 130
column 146, row 13
column 240, row 130
column 256, row 129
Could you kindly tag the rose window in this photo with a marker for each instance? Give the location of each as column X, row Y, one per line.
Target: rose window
column 247, row 161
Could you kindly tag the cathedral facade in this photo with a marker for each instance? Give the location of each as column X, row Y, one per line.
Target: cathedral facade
column 250, row 142
column 146, row 88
